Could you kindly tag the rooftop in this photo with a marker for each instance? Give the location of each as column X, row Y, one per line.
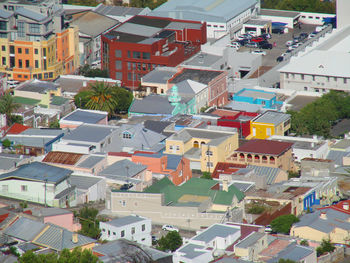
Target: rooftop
column 199, row 75
column 216, row 230
column 272, row 117
column 84, row 182
column 256, row 94
column 127, row 220
column 109, row 10
column 89, row 133
column 37, row 86
column 281, row 13
column 85, row 116
column 62, row 158
column 250, row 240
column 268, row 147
column 25, row 229
column 152, row 104
column 123, row 168
column 202, row 59
column 159, row 75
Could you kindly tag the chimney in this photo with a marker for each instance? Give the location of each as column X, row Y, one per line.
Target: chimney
column 346, row 206
column 323, row 215
column 75, row 237
column 225, row 185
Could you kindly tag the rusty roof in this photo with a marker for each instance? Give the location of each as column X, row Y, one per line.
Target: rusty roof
column 62, row 158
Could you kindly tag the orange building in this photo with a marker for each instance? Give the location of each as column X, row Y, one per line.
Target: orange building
column 175, row 167
column 36, row 41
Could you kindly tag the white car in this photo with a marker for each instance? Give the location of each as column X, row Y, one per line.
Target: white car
column 259, row 52
column 234, row 45
column 289, row 43
column 169, row 228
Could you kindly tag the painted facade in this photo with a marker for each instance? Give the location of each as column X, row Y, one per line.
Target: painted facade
column 259, row 97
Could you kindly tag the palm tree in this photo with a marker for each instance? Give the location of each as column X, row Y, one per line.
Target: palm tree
column 8, row 106
column 102, row 97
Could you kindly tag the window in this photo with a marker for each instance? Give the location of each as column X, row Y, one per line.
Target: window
column 132, row 230
column 114, row 234
column 3, row 35
column 20, row 63
column 3, row 25
column 27, row 50
column 119, row 75
column 122, row 233
column 3, row 61
column 302, row 76
column 19, row 50
column 210, row 164
column 20, row 29
column 118, row 64
column 335, row 79
column 129, row 54
column 103, row 230
column 118, row 53
column 123, row 203
column 136, row 54
column 34, row 28
column 36, row 51
column 146, row 55
column 126, row 135
column 3, row 48
column 177, row 147
column 209, row 153
column 36, row 63
column 313, row 78
column 268, row 131
column 27, row 63
column 345, row 80
column 287, row 75
column 143, row 227
column 305, row 88
column 109, row 232
column 44, row 52
column 24, row 188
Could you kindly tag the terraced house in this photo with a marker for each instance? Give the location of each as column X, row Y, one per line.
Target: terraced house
column 36, row 41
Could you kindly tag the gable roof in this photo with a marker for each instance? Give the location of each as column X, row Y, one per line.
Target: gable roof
column 293, row 252
column 123, row 169
column 268, row 147
column 89, row 133
column 156, row 126
column 17, row 128
column 25, row 229
column 272, row 117
column 112, row 10
column 152, row 104
column 39, row 172
column 30, row 14
column 84, row 182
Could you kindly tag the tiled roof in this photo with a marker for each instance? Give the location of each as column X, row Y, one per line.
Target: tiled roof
column 226, row 168
column 268, row 147
column 17, row 128
column 62, row 158
column 24, row 229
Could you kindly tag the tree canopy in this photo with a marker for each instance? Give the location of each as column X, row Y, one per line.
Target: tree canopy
column 319, row 116
column 8, row 106
column 326, row 246
column 147, row 3
column 76, row 256
column 89, row 223
column 282, row 224
column 282, row 260
column 87, row 71
column 171, row 241
column 316, row 6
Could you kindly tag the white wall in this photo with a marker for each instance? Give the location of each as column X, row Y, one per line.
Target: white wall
column 313, row 18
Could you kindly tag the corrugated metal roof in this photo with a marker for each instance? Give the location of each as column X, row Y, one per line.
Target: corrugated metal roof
column 269, row 172
column 4, row 14
column 250, row 240
column 273, row 117
column 152, row 104
column 84, row 182
column 89, row 133
column 30, row 14
column 91, row 161
column 217, row 230
column 124, row 168
column 141, row 30
column 62, row 158
column 25, row 229
column 84, row 116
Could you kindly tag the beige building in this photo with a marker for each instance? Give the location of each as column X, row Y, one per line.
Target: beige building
column 203, row 147
column 250, row 247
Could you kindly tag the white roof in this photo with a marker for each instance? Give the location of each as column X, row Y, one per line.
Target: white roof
column 196, row 86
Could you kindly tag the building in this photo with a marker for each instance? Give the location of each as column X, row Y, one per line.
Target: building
column 133, row 228
column 314, row 70
column 39, row 183
column 120, row 13
column 224, row 17
column 81, row 116
column 268, row 100
column 270, row 123
column 203, row 147
column 257, row 26
column 37, row 41
column 280, row 18
column 265, row 153
column 153, row 42
column 156, row 81
column 250, row 247
column 89, row 188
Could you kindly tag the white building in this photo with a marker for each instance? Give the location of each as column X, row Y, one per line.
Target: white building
column 321, row 68
column 201, row 247
column 133, row 227
column 222, row 17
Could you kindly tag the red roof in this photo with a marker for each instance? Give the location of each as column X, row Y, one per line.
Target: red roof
column 17, row 128
column 223, row 113
column 122, row 154
column 343, row 206
column 268, row 147
column 226, row 168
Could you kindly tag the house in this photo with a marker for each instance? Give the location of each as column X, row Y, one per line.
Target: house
column 203, row 147
column 316, row 167
column 35, row 141
column 87, row 138
column 128, row 55
column 175, row 167
column 222, row 18
column 91, row 26
column 125, row 172
column 260, row 97
column 120, row 13
column 39, row 183
column 9, row 162
column 191, row 205
column 89, row 188
column 323, row 224
column 258, row 26
column 57, row 216
column 124, row 251
column 339, row 151
column 215, row 80
column 81, row 116
column 250, row 247
column 264, row 153
column 44, row 45
column 156, row 81
column 133, row 228
column 200, row 247
column 24, row 229
column 270, row 123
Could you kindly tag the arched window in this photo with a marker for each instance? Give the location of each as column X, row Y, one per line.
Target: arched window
column 195, row 144
column 126, row 135
column 264, row 159
column 241, row 156
column 249, row 157
column 257, row 159
column 272, row 159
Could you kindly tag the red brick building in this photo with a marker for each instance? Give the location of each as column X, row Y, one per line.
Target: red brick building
column 143, row 42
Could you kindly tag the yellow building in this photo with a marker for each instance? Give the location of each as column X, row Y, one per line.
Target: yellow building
column 203, row 147
column 324, row 224
column 268, row 124
column 36, row 41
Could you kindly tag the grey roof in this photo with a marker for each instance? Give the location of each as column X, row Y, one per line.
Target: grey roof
column 8, row 162
column 156, row 126
column 85, row 116
column 49, row 211
column 25, row 229
column 159, row 75
column 8, row 258
column 293, row 252
column 269, row 172
column 243, row 186
column 202, row 58
column 37, row 86
column 110, row 10
column 38, row 172
column 91, row 161
column 281, row 13
column 27, row 246
column 152, row 104
column 66, row 192
column 183, row 25
column 191, row 251
column 214, row 231
column 273, row 117
column 244, row 106
column 208, row 10
column 199, row 75
column 5, row 14
column 83, row 182
column 142, row 30
column 123, row 221
column 250, row 240
column 232, row 260
column 59, row 238
column 189, row 133
column 29, row 141
column 259, row 22
column 123, row 168
column 343, row 144
column 30, row 14
column 336, row 156
column 94, row 24
column 256, row 94
column 89, row 133
column 42, row 132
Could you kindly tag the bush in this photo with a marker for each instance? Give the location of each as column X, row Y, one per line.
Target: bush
column 282, row 224
column 206, row 175
column 6, row 143
column 326, row 246
column 304, row 243
column 256, row 209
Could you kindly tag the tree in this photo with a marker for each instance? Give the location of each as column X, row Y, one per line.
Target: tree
column 326, row 246
column 87, row 71
column 102, row 97
column 292, row 174
column 282, row 224
column 315, row 6
column 304, row 243
column 123, row 99
column 206, row 175
column 76, row 256
column 6, row 143
column 286, row 261
column 171, row 241
column 8, row 106
column 256, row 209
column 55, row 124
column 89, row 222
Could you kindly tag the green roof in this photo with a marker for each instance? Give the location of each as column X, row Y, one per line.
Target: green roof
column 26, row 101
column 58, row 100
column 195, row 186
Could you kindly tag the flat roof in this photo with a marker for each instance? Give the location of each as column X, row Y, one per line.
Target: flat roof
column 272, row 117
column 217, row 230
column 257, row 22
column 199, row 75
column 85, row 116
column 280, row 13
column 256, row 94
column 123, row 221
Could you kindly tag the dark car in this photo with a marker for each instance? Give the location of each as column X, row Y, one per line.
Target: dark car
column 303, row 36
column 266, row 46
column 243, row 42
column 251, row 45
column 125, row 187
column 277, row 31
column 280, row 58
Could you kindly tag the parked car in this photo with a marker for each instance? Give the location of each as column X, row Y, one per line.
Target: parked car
column 289, row 43
column 277, row 30
column 259, row 52
column 154, row 239
column 125, row 187
column 251, row 45
column 241, row 37
column 265, row 46
column 303, row 35
column 252, row 33
column 268, row 229
column 169, row 228
column 266, row 36
column 242, row 42
column 280, row 58
column 234, row 45
column 257, row 39
column 247, row 36
column 313, row 34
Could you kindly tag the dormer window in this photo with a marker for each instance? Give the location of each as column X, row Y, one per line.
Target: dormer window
column 126, row 135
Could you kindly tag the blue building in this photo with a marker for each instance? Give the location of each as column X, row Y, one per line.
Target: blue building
column 259, row 97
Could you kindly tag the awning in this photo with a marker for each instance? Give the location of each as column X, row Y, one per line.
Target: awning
column 278, row 24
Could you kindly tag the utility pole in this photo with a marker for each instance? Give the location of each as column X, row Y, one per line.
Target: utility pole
column 45, row 191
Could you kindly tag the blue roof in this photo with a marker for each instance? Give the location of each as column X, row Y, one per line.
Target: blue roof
column 38, row 172
column 173, row 161
column 85, row 116
column 293, row 252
